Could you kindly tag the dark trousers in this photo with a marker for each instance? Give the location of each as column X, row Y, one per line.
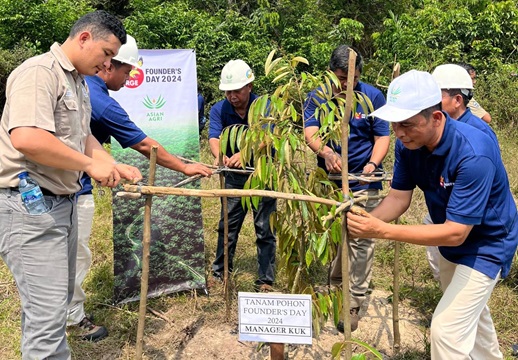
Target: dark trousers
column 265, row 238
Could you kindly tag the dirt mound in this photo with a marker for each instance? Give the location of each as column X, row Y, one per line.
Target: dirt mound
column 198, row 337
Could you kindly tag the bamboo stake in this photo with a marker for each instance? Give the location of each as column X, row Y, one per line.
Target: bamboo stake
column 163, row 190
column 345, row 189
column 397, row 245
column 145, row 255
column 395, row 298
column 224, row 207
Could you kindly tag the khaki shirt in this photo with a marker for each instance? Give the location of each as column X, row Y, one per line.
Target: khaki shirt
column 476, row 109
column 46, row 92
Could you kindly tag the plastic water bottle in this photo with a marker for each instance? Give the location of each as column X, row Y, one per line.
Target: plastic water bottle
column 31, row 194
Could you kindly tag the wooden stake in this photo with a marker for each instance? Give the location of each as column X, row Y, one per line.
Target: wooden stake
column 276, row 351
column 224, row 210
column 145, row 255
column 397, row 245
column 345, row 189
column 395, row 299
column 164, row 190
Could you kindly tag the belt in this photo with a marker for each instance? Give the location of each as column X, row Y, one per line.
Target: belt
column 14, row 190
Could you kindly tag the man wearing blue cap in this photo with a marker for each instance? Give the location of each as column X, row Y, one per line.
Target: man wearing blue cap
column 474, row 215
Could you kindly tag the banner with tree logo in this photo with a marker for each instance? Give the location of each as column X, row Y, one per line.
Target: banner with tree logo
column 161, row 98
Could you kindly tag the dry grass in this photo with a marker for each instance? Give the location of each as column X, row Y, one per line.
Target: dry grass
column 184, row 314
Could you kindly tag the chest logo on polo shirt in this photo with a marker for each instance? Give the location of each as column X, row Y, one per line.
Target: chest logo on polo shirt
column 445, row 184
column 359, row 115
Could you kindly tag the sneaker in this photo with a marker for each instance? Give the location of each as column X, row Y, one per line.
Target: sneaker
column 90, row 331
column 354, row 320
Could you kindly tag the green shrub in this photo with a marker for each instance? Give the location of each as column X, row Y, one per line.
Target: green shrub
column 9, row 60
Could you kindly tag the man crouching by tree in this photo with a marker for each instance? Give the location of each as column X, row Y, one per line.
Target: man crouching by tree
column 475, row 221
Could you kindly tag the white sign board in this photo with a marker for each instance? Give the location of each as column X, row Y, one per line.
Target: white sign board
column 275, row 318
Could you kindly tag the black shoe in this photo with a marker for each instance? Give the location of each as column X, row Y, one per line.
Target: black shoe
column 354, row 320
column 90, row 331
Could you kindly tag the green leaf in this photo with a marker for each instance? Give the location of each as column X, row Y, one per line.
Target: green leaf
column 309, row 258
column 321, row 243
column 337, row 349
column 281, row 69
column 358, row 357
column 224, row 141
column 301, row 59
column 264, row 169
column 268, row 63
column 370, row 348
column 294, row 115
column 279, row 77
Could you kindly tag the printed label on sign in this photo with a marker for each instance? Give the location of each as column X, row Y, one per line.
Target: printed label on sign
column 277, row 318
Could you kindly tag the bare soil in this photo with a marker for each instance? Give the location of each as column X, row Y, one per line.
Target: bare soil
column 192, row 331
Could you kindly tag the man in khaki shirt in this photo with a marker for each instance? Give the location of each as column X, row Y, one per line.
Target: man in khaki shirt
column 473, row 104
column 45, row 131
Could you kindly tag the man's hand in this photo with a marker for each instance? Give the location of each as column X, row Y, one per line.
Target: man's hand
column 195, row 169
column 367, row 169
column 103, row 172
column 129, row 172
column 361, row 224
column 333, row 161
column 232, row 162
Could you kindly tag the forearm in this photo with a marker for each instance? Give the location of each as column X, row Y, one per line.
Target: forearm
column 214, row 147
column 447, row 234
column 380, row 149
column 44, row 148
column 393, row 205
column 315, row 142
column 486, row 117
column 96, row 151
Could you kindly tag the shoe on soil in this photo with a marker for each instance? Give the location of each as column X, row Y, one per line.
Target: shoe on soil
column 354, row 320
column 90, row 331
column 263, row 288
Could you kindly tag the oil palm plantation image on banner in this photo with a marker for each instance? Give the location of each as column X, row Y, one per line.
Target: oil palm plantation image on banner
column 161, row 98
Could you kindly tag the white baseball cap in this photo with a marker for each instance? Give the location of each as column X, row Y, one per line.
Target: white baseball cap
column 407, row 95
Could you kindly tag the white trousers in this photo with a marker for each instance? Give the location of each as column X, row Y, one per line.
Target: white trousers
column 85, row 215
column 432, row 252
column 462, row 327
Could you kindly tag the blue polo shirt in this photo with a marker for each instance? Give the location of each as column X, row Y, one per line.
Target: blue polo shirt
column 362, row 130
column 223, row 114
column 464, row 180
column 468, row 118
column 108, row 119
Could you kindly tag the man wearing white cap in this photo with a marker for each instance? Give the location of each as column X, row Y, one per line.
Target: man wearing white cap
column 236, row 82
column 474, row 215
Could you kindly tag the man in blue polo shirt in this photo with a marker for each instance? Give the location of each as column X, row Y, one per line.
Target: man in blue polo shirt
column 110, row 119
column 457, row 91
column 368, row 144
column 236, row 82
column 474, row 215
